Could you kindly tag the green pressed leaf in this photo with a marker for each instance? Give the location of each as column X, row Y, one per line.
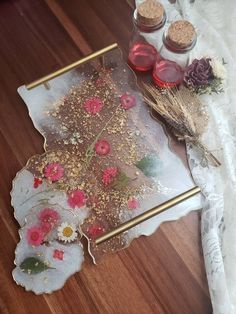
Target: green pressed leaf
column 121, row 181
column 33, row 265
column 150, row 165
column 215, row 86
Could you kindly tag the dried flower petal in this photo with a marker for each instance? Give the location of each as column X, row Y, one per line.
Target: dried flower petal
column 37, row 182
column 127, row 101
column 133, row 203
column 58, row 254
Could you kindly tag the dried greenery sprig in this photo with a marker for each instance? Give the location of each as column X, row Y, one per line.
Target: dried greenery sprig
column 184, row 112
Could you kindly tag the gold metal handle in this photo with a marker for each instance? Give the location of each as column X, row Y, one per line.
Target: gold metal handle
column 70, row 66
column 147, row 215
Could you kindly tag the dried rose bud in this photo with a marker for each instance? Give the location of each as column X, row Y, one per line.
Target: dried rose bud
column 198, row 73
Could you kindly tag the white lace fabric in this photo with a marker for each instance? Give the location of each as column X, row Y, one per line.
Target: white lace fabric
column 214, row 21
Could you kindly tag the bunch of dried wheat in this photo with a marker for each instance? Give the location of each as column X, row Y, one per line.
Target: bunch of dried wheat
column 183, row 111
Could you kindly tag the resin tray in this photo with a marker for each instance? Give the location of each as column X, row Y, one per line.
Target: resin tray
column 106, row 160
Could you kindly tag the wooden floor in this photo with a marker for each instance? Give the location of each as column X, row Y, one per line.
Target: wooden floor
column 163, row 273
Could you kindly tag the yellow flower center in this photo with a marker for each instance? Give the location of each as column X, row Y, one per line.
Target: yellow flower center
column 67, row 232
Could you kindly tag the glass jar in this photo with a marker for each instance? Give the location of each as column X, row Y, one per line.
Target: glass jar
column 146, row 40
column 178, row 40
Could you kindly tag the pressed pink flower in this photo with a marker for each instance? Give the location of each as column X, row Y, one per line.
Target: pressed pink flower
column 94, row 231
column 109, row 175
column 133, row 203
column 54, row 171
column 35, row 236
column 46, row 227
column 93, row 105
column 49, row 215
column 37, row 182
column 76, row 198
column 58, row 255
column 127, row 101
column 48, row 218
column 102, row 147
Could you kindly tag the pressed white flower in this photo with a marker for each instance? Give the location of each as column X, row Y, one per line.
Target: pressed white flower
column 67, row 232
column 218, row 68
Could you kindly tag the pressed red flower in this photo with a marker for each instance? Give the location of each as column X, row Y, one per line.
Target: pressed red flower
column 102, row 147
column 37, row 182
column 35, row 236
column 54, row 171
column 58, row 254
column 93, row 105
column 133, row 203
column 48, row 218
column 109, row 175
column 94, row 231
column 76, row 198
column 127, row 101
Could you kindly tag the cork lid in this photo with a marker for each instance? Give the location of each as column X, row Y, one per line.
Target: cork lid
column 150, row 13
column 181, row 34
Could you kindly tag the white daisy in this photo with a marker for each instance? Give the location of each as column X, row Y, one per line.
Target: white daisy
column 67, row 232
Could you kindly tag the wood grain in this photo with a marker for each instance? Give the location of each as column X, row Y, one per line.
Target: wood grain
column 163, row 273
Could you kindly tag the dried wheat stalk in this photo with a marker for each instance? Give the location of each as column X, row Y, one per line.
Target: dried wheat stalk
column 183, row 112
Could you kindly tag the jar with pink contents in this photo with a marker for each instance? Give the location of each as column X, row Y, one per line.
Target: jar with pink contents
column 149, row 19
column 179, row 39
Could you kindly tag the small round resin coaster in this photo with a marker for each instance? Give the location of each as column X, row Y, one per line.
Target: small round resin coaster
column 49, row 251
